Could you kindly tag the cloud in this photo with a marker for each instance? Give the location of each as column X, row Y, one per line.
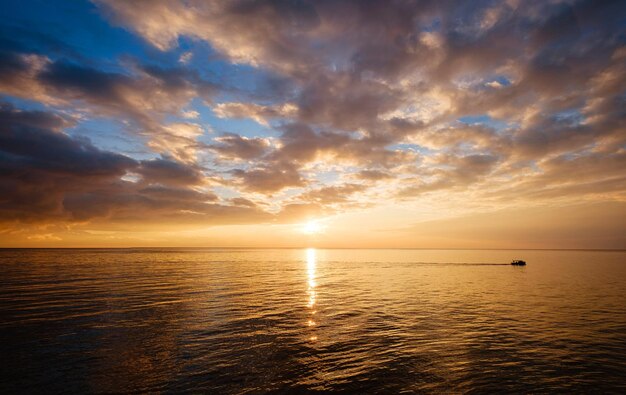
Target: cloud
column 178, row 140
column 49, row 176
column 333, row 194
column 371, row 61
column 185, row 57
column 269, row 179
column 261, row 114
column 166, row 171
column 142, row 97
column 373, row 175
column 40, row 164
column 489, row 100
column 449, row 172
column 143, row 92
column 243, row 202
column 163, row 22
column 234, row 146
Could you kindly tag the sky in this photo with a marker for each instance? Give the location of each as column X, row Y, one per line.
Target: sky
column 383, row 124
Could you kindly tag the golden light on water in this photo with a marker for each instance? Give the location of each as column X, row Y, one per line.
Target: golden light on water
column 311, row 263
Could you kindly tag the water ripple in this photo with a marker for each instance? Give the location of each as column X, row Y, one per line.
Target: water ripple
column 251, row 321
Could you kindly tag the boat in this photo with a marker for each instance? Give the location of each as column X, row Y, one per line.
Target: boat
column 518, row 262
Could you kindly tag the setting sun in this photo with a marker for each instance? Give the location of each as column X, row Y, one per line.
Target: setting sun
column 312, row 227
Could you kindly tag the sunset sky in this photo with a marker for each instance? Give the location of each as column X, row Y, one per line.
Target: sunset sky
column 429, row 124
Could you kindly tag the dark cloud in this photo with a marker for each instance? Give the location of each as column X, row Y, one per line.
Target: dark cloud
column 47, row 175
column 234, row 146
column 40, row 164
column 77, row 81
column 167, row 171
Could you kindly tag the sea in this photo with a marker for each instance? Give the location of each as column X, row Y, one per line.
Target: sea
column 253, row 321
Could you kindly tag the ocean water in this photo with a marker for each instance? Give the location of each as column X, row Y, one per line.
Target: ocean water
column 230, row 321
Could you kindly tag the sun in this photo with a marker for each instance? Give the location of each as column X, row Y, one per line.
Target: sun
column 312, row 227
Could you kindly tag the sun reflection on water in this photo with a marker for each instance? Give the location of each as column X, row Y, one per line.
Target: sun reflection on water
column 311, row 262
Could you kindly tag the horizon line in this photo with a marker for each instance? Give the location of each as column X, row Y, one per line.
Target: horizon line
column 319, row 248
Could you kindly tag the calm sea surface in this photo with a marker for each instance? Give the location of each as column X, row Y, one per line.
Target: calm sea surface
column 251, row 321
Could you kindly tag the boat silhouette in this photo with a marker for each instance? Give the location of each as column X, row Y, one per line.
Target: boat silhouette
column 518, row 262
